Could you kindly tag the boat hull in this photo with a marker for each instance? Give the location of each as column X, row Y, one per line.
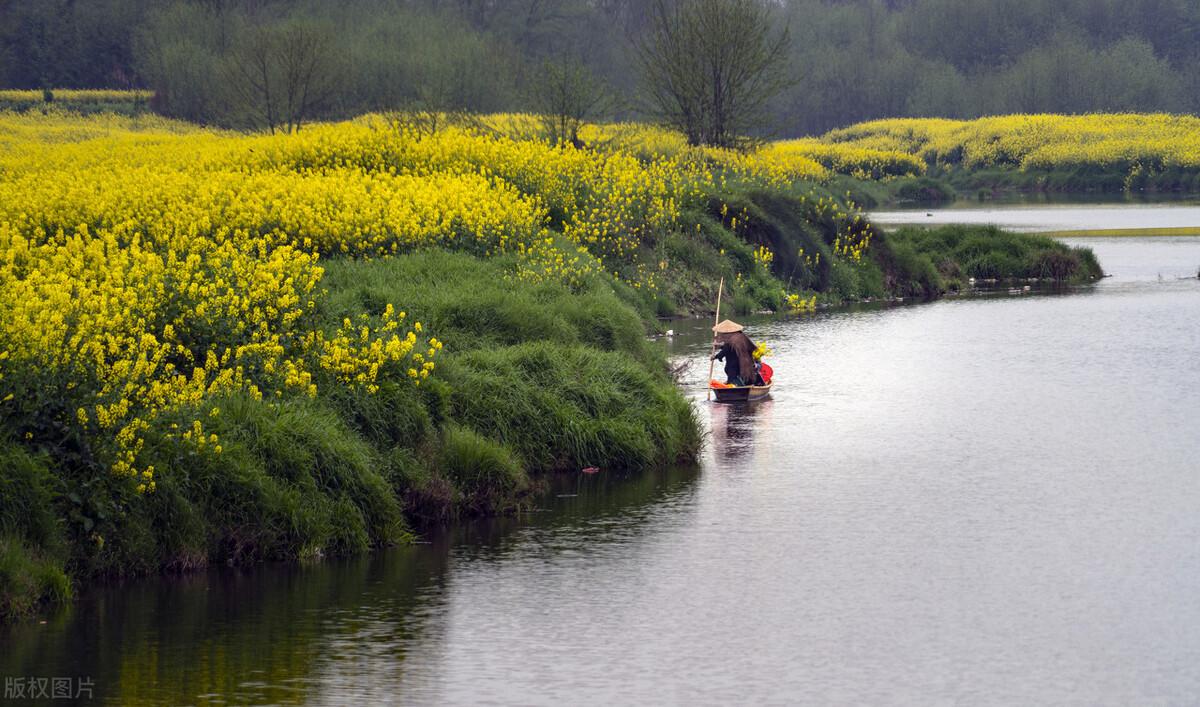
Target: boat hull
column 742, row 394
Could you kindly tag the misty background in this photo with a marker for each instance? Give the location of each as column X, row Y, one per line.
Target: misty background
column 848, row 60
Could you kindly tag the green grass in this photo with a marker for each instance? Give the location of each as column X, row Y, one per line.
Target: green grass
column 568, row 407
column 472, row 303
column 28, row 581
column 948, row 255
column 32, row 572
column 534, row 379
column 487, row 474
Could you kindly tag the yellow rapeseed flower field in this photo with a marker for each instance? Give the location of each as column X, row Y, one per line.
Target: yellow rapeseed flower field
column 95, row 95
column 1115, row 142
column 149, row 266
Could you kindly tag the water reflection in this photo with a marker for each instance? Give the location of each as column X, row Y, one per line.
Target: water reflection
column 240, row 636
column 733, row 427
column 327, row 632
column 975, row 501
column 1049, row 218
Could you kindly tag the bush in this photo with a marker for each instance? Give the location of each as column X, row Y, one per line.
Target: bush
column 914, row 274
column 31, row 536
column 309, row 455
column 292, row 479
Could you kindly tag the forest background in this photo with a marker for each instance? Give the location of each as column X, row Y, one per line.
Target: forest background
column 849, row 60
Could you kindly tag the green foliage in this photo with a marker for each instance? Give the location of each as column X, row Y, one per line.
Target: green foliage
column 476, row 303
column 697, row 259
column 786, row 226
column 28, row 581
column 486, row 473
column 28, row 492
column 854, row 281
column 921, row 190
column 562, row 407
column 307, row 452
column 988, row 253
column 32, row 544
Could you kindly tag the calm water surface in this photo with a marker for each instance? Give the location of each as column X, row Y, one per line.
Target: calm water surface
column 1050, row 217
column 975, row 501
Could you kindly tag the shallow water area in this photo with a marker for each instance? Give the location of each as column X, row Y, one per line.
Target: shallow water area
column 1051, row 217
column 989, row 500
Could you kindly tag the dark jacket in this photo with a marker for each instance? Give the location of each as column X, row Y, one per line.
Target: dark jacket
column 737, row 351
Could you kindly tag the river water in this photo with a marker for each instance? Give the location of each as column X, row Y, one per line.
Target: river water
column 1052, row 217
column 981, row 500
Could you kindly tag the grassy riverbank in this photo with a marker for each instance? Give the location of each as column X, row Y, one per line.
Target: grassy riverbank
column 949, row 257
column 228, row 348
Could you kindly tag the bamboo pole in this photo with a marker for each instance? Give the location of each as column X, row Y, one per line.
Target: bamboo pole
column 716, row 321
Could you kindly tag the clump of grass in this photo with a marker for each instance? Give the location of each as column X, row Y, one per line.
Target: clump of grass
column 338, row 500
column 31, row 537
column 474, row 303
column 487, row 474
column 28, row 493
column 921, row 190
column 566, row 407
column 292, row 480
column 28, row 580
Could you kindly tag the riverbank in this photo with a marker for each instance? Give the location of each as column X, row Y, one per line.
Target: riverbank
column 223, row 349
column 889, row 449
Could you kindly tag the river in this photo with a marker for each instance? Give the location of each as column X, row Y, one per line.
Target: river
column 1055, row 217
column 981, row 500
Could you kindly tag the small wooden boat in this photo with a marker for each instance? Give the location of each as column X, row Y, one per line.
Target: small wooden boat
column 728, row 393
column 741, row 394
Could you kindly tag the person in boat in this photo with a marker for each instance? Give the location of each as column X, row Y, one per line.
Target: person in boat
column 737, row 351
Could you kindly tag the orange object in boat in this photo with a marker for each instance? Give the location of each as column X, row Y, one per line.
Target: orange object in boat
column 718, row 384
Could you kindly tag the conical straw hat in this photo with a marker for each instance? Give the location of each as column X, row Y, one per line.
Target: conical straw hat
column 727, row 327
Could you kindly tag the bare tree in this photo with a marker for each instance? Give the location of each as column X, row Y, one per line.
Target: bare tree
column 567, row 94
column 282, row 73
column 711, row 66
column 306, row 67
column 250, row 74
